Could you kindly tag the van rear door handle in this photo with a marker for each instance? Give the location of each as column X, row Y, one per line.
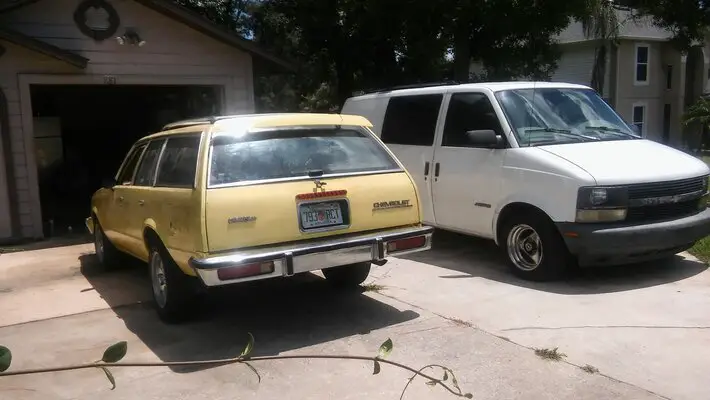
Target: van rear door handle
column 436, row 170
column 426, row 168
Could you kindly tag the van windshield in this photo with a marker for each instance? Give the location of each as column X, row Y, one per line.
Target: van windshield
column 547, row 116
column 295, row 153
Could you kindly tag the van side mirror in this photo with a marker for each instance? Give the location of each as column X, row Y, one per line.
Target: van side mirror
column 108, row 183
column 484, row 138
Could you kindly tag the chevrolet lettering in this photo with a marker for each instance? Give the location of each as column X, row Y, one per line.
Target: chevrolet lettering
column 381, row 205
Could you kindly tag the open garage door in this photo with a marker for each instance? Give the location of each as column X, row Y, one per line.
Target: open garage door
column 82, row 133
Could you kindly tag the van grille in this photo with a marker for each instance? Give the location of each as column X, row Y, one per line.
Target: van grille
column 668, row 188
column 662, row 189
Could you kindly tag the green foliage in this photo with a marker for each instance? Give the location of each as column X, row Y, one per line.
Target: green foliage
column 699, row 113
column 110, row 377
column 346, row 46
column 115, row 352
column 385, row 349
column 5, row 358
column 248, row 348
column 687, row 19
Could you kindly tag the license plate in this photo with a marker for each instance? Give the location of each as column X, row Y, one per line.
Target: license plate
column 320, row 215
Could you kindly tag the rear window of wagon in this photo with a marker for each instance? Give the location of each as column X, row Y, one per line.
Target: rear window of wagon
column 294, row 153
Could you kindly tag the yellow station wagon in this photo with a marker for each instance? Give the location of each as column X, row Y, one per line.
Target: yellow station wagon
column 226, row 200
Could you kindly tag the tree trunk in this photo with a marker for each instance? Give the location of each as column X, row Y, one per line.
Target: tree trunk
column 599, row 69
column 346, row 81
column 462, row 50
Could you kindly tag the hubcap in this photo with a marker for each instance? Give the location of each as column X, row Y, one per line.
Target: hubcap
column 157, row 275
column 99, row 243
column 524, row 247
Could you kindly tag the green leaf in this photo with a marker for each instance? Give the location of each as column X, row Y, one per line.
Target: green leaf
column 376, row 369
column 431, row 383
column 468, row 396
column 115, row 352
column 248, row 348
column 110, row 377
column 5, row 358
column 446, row 375
column 385, row 348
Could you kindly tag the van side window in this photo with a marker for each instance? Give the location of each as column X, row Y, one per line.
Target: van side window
column 468, row 112
column 411, row 120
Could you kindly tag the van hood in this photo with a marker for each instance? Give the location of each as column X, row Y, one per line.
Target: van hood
column 630, row 161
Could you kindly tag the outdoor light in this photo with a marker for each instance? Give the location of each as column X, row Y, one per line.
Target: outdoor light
column 130, row 37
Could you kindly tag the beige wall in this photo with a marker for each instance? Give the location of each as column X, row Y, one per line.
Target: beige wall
column 173, row 53
column 654, row 95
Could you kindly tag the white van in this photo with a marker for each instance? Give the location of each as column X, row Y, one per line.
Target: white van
column 547, row 170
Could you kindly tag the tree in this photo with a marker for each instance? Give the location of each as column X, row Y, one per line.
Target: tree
column 687, row 19
column 600, row 21
column 510, row 38
column 698, row 114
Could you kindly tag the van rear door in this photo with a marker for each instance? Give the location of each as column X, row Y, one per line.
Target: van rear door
column 408, row 129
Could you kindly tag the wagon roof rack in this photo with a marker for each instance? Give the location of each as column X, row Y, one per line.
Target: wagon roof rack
column 189, row 122
column 415, row 86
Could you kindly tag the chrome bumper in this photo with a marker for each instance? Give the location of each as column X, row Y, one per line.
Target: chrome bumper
column 303, row 257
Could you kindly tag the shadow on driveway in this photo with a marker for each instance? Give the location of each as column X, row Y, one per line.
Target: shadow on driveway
column 470, row 257
column 283, row 315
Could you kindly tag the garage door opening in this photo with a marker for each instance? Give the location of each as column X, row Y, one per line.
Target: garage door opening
column 82, row 133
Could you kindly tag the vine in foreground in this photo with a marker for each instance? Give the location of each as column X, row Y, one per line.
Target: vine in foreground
column 115, row 353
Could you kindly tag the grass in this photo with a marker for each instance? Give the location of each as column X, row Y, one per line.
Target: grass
column 590, row 369
column 701, row 250
column 372, row 287
column 550, row 354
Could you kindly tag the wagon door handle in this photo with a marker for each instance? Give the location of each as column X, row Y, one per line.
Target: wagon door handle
column 120, row 199
column 141, row 202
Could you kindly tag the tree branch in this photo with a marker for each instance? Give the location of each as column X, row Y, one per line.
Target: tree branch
column 239, row 360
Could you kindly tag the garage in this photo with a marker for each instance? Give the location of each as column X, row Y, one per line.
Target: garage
column 82, row 133
column 81, row 80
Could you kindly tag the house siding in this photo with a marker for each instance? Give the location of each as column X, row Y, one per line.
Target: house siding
column 655, row 94
column 172, row 50
column 577, row 63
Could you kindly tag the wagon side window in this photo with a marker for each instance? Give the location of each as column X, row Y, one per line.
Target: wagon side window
column 125, row 176
column 178, row 163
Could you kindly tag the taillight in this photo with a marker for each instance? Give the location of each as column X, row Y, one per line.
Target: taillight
column 406, row 244
column 245, row 271
column 318, row 195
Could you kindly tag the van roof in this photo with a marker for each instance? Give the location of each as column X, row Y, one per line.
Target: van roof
column 492, row 86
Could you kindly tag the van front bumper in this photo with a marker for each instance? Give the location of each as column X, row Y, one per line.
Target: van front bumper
column 620, row 244
column 294, row 258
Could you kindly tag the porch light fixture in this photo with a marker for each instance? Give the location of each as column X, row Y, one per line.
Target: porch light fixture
column 131, row 37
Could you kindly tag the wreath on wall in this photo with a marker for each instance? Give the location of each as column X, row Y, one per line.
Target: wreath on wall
column 90, row 21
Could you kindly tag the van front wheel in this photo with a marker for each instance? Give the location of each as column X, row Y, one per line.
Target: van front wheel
column 534, row 248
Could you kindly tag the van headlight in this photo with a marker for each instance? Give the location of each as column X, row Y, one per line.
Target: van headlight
column 602, row 204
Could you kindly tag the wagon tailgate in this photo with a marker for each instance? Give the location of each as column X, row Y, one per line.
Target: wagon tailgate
column 255, row 215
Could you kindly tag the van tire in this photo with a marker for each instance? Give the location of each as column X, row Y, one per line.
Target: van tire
column 108, row 255
column 523, row 235
column 175, row 294
column 347, row 276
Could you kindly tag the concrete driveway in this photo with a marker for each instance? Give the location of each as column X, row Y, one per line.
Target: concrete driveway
column 644, row 327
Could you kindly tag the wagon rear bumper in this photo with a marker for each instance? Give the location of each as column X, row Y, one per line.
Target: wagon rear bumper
column 290, row 259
